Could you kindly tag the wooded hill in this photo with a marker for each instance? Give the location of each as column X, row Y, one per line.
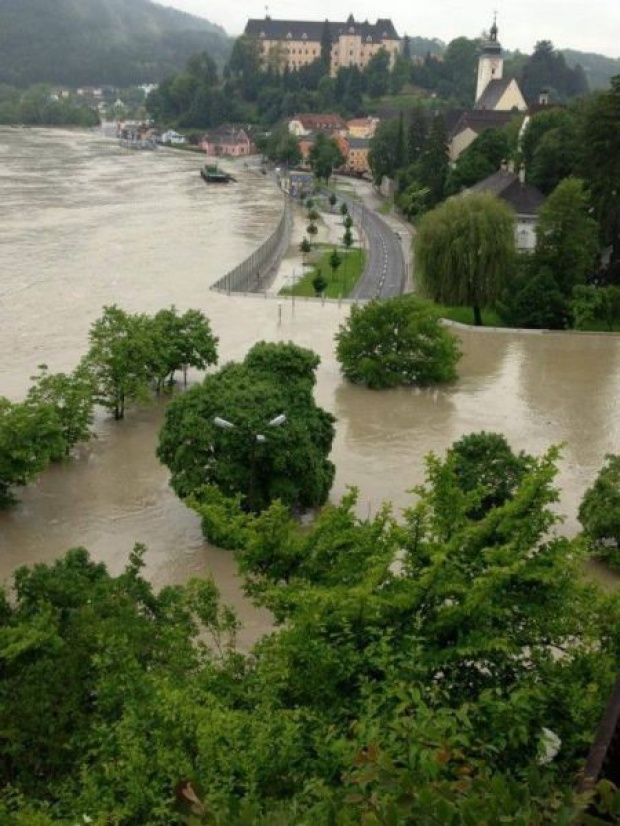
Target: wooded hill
column 93, row 42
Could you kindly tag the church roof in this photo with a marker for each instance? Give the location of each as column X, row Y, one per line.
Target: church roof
column 312, row 30
column 524, row 198
column 493, row 93
column 479, row 120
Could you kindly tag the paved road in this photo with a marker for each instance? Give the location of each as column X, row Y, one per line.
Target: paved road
column 385, row 273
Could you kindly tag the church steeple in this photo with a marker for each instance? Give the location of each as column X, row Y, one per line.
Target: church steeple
column 490, row 63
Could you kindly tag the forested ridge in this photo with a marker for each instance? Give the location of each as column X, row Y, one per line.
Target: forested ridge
column 84, row 42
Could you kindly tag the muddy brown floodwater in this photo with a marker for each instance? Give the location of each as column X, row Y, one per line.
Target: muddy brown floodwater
column 85, row 224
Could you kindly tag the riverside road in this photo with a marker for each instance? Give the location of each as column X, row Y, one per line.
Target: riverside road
column 385, row 273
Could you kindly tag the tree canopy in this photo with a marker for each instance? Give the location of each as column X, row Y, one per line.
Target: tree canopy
column 464, row 249
column 599, row 511
column 248, row 455
column 418, row 666
column 399, row 341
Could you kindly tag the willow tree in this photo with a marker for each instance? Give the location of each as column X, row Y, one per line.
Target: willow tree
column 464, row 249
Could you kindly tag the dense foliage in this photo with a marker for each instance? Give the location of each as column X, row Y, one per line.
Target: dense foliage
column 599, row 512
column 228, row 431
column 449, row 668
column 464, row 249
column 546, row 69
column 399, row 341
column 94, row 42
column 130, row 355
column 39, row 106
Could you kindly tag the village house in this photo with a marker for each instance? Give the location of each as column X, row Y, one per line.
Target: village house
column 302, row 125
column 227, row 140
column 525, row 199
column 362, row 127
column 173, row 138
column 357, row 157
column 293, row 44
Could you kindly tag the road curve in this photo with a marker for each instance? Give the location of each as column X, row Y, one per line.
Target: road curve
column 384, row 275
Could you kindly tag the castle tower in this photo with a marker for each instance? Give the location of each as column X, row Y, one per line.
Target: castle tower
column 491, row 62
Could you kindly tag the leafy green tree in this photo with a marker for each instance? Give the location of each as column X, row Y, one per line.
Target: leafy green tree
column 433, row 166
column 543, row 122
column 459, row 70
column 178, row 342
column 399, row 76
column 324, row 156
column 30, row 437
column 81, row 652
column 555, row 157
column 464, row 249
column 483, row 157
column 383, row 154
column 487, row 468
column 599, row 511
column 312, row 230
column 304, row 248
column 567, row 235
column 533, row 300
column 600, row 143
column 335, row 260
column 333, row 200
column 118, row 358
column 71, row 399
column 591, row 305
column 377, row 74
column 547, row 69
column 319, row 284
column 326, row 48
column 283, row 148
column 253, row 457
column 396, row 342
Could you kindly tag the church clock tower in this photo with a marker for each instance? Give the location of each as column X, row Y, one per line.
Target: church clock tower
column 491, row 63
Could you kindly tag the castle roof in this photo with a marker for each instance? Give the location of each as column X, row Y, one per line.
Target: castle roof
column 312, row 30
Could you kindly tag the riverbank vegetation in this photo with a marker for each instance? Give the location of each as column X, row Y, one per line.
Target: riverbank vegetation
column 450, row 666
column 399, row 341
column 323, row 279
column 40, row 106
column 253, row 430
column 129, row 357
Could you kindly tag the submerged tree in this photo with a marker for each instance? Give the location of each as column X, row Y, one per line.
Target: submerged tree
column 253, row 428
column 396, row 342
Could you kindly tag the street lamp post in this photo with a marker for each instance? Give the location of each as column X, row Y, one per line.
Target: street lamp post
column 256, row 438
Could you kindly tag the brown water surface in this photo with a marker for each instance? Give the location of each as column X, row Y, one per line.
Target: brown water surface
column 85, row 224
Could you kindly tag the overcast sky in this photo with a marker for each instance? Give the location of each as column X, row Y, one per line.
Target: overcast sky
column 586, row 25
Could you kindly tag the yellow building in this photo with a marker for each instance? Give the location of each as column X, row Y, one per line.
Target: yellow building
column 296, row 43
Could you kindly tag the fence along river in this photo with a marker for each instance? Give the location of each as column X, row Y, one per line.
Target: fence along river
column 85, row 224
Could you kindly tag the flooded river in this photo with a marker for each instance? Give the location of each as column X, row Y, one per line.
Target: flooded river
column 85, row 224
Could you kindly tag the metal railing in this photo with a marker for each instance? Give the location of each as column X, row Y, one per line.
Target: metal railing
column 256, row 272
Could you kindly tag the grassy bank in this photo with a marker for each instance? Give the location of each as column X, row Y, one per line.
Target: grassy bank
column 340, row 283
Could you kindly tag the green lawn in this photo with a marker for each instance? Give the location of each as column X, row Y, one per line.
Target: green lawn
column 338, row 285
column 465, row 315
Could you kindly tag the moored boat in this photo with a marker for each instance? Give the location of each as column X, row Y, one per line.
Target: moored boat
column 212, row 174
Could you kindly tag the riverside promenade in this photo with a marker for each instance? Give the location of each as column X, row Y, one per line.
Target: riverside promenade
column 385, row 238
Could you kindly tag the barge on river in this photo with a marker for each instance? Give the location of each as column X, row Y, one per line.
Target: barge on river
column 212, row 174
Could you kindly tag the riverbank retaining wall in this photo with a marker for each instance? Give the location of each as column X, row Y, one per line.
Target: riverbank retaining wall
column 256, row 272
